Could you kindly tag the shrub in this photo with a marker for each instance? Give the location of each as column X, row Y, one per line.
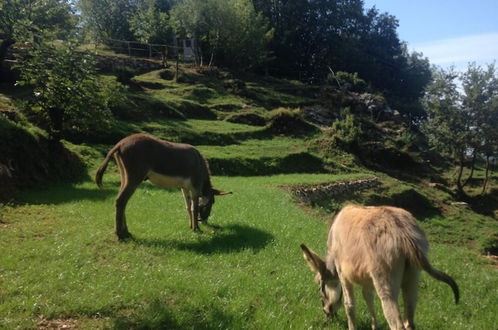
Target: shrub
column 68, row 94
column 288, row 122
column 167, row 74
column 346, row 133
column 347, row 80
column 248, row 118
column 124, row 74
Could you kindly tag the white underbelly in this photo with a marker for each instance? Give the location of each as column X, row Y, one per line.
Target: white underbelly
column 166, row 181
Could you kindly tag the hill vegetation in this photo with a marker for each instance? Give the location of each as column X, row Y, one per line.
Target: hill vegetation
column 291, row 114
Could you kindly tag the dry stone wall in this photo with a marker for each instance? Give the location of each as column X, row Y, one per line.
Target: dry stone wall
column 313, row 193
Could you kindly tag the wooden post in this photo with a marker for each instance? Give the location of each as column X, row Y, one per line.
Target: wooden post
column 165, row 55
column 177, row 60
column 129, row 48
column 150, row 51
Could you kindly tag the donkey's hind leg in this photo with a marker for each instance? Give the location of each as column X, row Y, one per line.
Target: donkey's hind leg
column 409, row 288
column 129, row 184
column 121, row 202
column 387, row 288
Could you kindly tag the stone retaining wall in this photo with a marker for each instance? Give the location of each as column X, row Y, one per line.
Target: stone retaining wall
column 313, row 193
column 109, row 63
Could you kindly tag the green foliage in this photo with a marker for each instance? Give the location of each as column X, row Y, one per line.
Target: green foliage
column 68, row 95
column 288, row 122
column 124, row 74
column 20, row 20
column 230, row 32
column 246, row 117
column 447, row 125
column 107, row 19
column 349, row 38
column 351, row 81
column 26, row 21
column 346, row 133
column 460, row 122
column 151, row 25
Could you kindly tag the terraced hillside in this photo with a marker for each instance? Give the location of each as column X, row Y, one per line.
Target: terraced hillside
column 62, row 267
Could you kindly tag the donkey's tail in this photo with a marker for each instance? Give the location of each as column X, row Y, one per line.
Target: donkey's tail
column 103, row 166
column 438, row 275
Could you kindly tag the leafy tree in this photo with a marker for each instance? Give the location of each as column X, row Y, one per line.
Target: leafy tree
column 107, row 19
column 311, row 36
column 150, row 23
column 447, row 126
column 229, row 30
column 68, row 96
column 463, row 120
column 480, row 93
column 20, row 20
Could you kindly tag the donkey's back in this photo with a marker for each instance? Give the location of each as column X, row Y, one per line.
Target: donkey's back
column 375, row 240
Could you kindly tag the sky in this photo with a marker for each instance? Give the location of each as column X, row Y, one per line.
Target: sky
column 448, row 32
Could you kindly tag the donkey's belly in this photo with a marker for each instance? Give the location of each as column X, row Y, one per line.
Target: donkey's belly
column 165, row 181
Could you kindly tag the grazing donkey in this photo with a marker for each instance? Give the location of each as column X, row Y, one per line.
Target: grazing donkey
column 165, row 164
column 379, row 248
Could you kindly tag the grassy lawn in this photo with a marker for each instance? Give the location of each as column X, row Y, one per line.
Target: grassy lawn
column 62, row 265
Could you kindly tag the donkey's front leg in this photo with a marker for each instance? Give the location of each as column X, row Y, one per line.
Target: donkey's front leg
column 188, row 206
column 195, row 212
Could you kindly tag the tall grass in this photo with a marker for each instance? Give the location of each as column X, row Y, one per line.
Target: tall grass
column 61, row 262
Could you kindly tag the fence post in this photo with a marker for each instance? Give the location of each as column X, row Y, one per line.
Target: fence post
column 129, row 48
column 177, row 60
column 164, row 55
column 150, row 51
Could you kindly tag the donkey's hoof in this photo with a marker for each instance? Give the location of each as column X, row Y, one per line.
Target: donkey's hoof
column 124, row 236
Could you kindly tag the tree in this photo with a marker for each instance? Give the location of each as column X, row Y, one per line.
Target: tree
column 68, row 95
column 150, row 23
column 107, row 19
column 480, row 93
column 20, row 20
column 311, row 36
column 463, row 121
column 230, row 31
column 447, row 125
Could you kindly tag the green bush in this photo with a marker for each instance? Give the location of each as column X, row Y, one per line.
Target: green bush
column 247, row 117
column 288, row 122
column 124, row 74
column 347, row 80
column 345, row 134
column 68, row 96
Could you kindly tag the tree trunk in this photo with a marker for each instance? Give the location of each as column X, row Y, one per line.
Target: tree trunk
column 56, row 116
column 460, row 171
column 211, row 59
column 4, row 48
column 486, row 178
column 472, row 166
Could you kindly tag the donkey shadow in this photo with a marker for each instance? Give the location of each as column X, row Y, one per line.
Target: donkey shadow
column 227, row 239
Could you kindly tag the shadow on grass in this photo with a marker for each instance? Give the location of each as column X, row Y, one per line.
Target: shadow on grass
column 64, row 193
column 483, row 204
column 224, row 240
column 157, row 315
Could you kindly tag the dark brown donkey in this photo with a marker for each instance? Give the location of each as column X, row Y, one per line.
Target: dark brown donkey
column 165, row 164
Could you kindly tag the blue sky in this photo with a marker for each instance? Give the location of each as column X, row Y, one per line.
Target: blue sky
column 448, row 32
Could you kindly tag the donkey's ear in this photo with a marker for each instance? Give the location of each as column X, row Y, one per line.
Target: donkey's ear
column 221, row 192
column 315, row 263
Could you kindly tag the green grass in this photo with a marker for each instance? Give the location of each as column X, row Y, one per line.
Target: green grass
column 61, row 262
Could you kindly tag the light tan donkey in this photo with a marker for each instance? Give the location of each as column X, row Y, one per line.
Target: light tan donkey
column 166, row 164
column 379, row 248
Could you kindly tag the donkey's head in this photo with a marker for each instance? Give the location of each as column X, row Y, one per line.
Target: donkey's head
column 206, row 203
column 330, row 286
